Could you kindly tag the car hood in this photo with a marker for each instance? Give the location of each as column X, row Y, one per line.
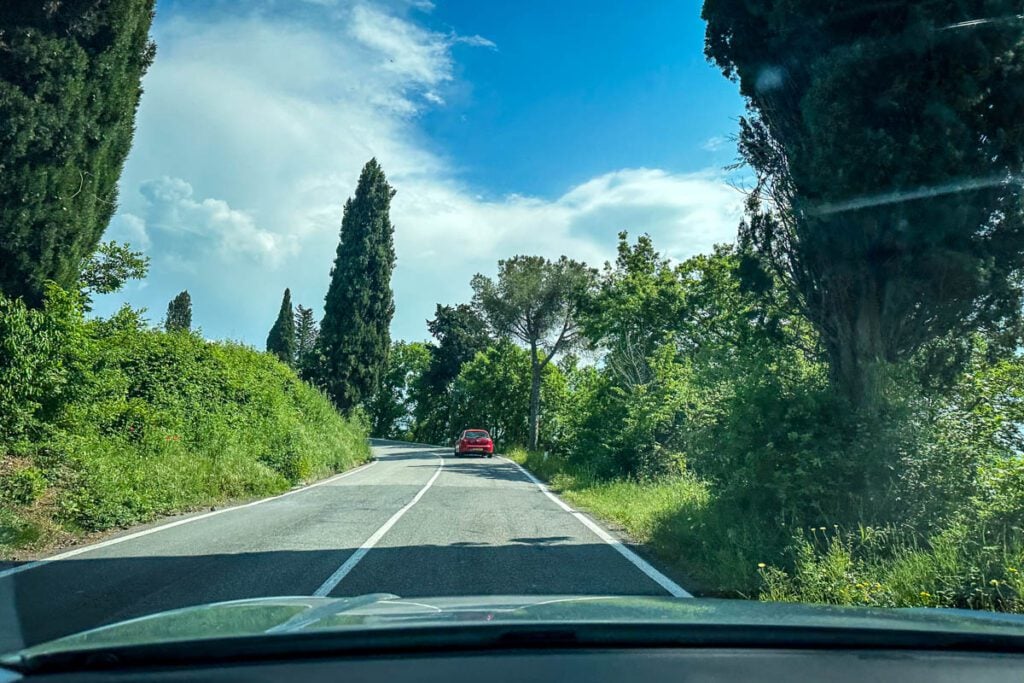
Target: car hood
column 367, row 613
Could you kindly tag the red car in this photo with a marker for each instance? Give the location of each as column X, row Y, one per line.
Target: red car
column 474, row 441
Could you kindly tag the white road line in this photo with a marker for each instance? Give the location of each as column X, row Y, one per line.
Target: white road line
column 163, row 527
column 334, row 579
column 668, row 584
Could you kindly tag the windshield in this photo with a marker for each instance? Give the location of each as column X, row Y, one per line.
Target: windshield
column 723, row 301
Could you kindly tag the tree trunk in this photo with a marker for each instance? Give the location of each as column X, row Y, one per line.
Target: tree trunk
column 858, row 355
column 534, row 396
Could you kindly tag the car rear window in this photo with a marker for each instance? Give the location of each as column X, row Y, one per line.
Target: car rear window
column 476, row 435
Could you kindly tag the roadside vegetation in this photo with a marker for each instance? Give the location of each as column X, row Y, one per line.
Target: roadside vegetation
column 709, row 429
column 108, row 422
column 830, row 408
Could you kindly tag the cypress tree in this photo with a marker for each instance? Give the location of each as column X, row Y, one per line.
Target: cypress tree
column 281, row 340
column 887, row 147
column 306, row 331
column 70, row 76
column 355, row 335
column 179, row 313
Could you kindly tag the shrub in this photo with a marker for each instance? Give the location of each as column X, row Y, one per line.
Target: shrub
column 125, row 423
column 21, row 486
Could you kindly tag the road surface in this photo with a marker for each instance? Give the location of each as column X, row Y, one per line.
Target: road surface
column 416, row 522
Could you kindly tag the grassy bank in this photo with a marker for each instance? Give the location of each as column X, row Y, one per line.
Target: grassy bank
column 976, row 562
column 108, row 423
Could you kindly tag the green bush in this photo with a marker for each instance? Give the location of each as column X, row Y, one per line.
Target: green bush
column 22, row 486
column 128, row 423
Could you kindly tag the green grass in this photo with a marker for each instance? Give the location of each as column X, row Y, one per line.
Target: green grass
column 962, row 566
column 728, row 552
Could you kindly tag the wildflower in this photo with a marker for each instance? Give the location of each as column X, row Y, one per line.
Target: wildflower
column 994, row 582
column 821, row 528
column 1012, row 570
column 925, row 594
column 761, row 565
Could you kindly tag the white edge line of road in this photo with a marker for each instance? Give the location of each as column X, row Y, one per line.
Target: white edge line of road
column 341, row 572
column 640, row 563
column 162, row 527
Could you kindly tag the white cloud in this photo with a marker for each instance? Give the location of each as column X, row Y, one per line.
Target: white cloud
column 127, row 227
column 251, row 135
column 186, row 225
column 475, row 41
column 713, row 144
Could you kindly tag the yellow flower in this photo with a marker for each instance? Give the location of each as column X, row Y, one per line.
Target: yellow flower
column 761, row 565
column 994, row 582
column 1011, row 570
column 925, row 594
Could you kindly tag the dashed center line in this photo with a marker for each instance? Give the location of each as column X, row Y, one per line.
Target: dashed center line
column 334, row 579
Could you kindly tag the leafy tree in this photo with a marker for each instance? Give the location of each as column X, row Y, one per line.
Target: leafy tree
column 639, row 304
column 887, row 147
column 537, row 302
column 179, row 313
column 392, row 406
column 70, row 77
column 461, row 334
column 354, row 335
column 281, row 340
column 110, row 267
column 492, row 392
column 306, row 332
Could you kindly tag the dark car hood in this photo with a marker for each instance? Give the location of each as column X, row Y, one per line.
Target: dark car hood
column 246, row 618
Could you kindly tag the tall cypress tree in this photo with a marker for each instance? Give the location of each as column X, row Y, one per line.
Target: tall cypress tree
column 179, row 313
column 306, row 331
column 281, row 340
column 70, row 77
column 354, row 335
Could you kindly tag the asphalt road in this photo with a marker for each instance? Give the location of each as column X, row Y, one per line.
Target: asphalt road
column 416, row 522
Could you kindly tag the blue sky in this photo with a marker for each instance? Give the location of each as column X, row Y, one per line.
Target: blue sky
column 506, row 127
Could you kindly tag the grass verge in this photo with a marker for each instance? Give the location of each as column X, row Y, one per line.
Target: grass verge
column 729, row 552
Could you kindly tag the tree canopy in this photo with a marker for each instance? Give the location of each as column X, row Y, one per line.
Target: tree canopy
column 179, row 313
column 281, row 339
column 110, row 267
column 461, row 333
column 393, row 405
column 70, row 75
column 887, row 148
column 355, row 332
column 538, row 302
column 306, row 331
